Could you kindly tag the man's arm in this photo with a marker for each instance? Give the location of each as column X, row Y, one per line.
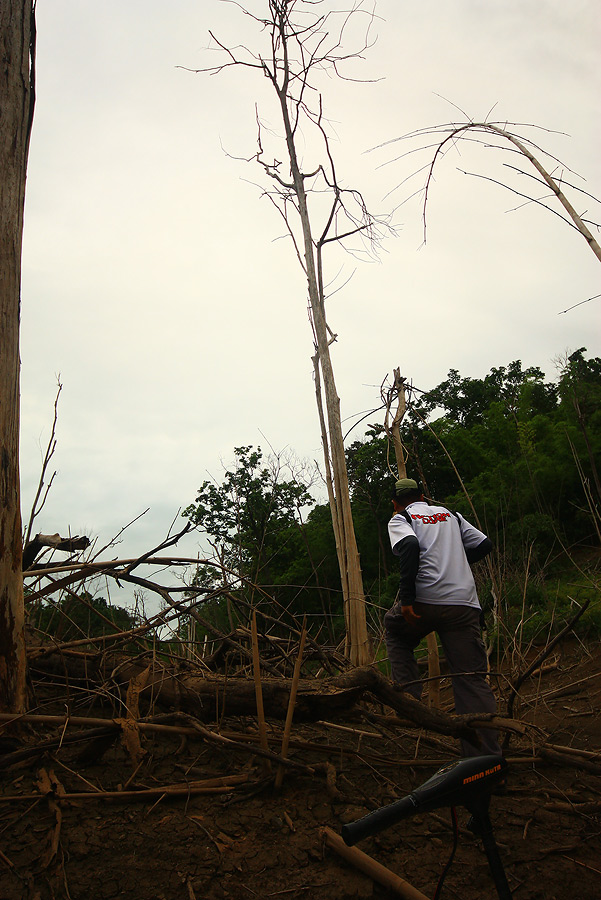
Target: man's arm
column 408, row 552
column 475, row 543
column 479, row 552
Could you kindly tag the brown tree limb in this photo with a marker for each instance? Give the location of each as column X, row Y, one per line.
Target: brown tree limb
column 516, row 685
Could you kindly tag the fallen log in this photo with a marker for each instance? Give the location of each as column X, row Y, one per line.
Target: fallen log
column 206, row 695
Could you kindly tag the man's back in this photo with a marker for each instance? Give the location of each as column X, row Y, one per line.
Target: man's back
column 444, row 574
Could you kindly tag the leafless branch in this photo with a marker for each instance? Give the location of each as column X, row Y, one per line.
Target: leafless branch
column 37, row 506
column 596, row 297
column 502, row 133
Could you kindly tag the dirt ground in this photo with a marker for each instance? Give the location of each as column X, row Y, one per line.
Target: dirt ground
column 253, row 840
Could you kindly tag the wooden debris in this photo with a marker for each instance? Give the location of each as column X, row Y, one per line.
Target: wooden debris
column 315, row 698
column 570, row 759
column 223, row 785
column 291, row 704
column 370, row 867
column 592, row 808
column 35, row 545
column 259, row 690
column 50, row 787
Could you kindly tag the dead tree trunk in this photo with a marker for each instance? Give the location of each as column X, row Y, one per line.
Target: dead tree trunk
column 207, row 696
column 340, row 505
column 394, row 433
column 299, row 43
column 357, row 640
column 17, row 40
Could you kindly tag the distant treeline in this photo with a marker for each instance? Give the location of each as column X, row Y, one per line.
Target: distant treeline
column 525, row 450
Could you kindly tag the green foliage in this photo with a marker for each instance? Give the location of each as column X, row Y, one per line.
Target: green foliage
column 255, row 520
column 252, row 516
column 74, row 617
column 465, row 400
column 526, row 452
column 511, row 438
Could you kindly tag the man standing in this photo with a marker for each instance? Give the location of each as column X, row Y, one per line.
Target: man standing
column 437, row 593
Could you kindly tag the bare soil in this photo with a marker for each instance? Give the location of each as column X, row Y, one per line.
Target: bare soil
column 255, row 841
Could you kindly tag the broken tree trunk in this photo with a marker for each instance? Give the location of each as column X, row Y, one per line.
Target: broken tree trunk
column 394, row 432
column 35, row 545
column 17, row 34
column 206, row 696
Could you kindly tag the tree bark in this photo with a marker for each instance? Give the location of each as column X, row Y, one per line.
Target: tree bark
column 399, row 452
column 357, row 639
column 206, row 696
column 17, row 45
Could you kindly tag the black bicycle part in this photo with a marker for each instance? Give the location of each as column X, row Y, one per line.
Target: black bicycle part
column 453, row 785
column 467, row 782
column 455, row 825
column 478, row 807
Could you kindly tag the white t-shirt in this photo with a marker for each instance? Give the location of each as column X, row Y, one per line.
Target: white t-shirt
column 444, row 574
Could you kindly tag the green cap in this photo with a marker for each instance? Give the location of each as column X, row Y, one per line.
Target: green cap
column 405, row 486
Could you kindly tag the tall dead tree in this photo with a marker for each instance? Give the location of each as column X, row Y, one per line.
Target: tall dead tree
column 17, row 46
column 393, row 432
column 301, row 45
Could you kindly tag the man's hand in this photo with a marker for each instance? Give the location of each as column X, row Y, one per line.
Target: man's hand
column 409, row 616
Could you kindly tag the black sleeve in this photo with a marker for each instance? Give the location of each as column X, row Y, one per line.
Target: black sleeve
column 408, row 553
column 476, row 553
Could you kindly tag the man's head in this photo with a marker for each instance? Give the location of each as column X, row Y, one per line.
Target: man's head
column 405, row 491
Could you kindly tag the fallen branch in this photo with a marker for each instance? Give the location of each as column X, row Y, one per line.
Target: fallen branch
column 69, row 545
column 570, row 760
column 579, row 808
column 375, row 870
column 516, row 685
column 576, row 751
column 173, row 790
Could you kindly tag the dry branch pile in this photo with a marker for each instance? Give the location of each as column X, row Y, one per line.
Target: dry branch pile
column 265, row 733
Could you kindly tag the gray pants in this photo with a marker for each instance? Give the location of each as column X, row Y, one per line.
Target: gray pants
column 458, row 628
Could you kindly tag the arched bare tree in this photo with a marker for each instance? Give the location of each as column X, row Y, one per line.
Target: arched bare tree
column 17, row 48
column 551, row 175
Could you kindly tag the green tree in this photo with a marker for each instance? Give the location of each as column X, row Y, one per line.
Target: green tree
column 75, row 616
column 511, row 437
column 252, row 517
column 580, row 388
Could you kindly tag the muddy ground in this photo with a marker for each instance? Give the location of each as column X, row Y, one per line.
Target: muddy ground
column 253, row 840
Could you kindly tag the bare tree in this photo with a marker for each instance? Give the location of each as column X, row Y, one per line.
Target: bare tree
column 550, row 176
column 17, row 47
column 301, row 44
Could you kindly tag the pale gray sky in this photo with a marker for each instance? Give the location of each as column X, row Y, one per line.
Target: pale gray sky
column 153, row 280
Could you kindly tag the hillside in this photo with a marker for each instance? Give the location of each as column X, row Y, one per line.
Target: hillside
column 180, row 806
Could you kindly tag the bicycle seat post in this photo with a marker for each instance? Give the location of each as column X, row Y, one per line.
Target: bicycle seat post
column 478, row 807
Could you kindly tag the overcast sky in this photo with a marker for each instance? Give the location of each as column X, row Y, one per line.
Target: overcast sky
column 154, row 281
